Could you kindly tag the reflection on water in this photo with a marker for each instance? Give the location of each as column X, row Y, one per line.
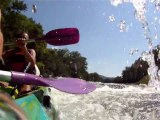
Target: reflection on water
column 108, row 102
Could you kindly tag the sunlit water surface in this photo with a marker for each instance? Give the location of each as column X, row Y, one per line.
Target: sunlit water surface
column 108, row 102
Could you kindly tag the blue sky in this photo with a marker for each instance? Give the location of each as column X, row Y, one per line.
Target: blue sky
column 101, row 42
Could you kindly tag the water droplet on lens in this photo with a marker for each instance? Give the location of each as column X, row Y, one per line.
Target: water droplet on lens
column 111, row 18
column 34, row 8
column 122, row 26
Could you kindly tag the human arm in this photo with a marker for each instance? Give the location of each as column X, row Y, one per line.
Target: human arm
column 1, row 51
column 30, row 56
column 1, row 38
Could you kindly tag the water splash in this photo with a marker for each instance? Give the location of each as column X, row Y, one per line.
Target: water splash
column 152, row 70
column 133, row 51
column 156, row 36
column 140, row 15
column 111, row 18
column 157, row 4
column 34, row 8
column 122, row 26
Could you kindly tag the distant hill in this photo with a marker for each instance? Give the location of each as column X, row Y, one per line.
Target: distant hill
column 106, row 79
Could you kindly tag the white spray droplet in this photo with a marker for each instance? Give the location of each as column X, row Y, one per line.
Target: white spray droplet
column 111, row 18
column 34, row 8
column 133, row 51
column 122, row 26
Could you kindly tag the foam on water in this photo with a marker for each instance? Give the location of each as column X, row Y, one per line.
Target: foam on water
column 108, row 102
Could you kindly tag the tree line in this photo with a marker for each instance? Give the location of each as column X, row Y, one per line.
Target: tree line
column 51, row 62
column 138, row 70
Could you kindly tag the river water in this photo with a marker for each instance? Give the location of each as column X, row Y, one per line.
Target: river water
column 108, row 102
column 112, row 101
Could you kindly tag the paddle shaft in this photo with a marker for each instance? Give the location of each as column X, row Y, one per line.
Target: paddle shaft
column 69, row 85
column 20, row 78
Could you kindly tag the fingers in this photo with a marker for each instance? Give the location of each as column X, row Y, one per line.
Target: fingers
column 21, row 41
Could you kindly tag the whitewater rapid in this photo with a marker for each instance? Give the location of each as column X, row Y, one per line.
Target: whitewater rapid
column 108, row 102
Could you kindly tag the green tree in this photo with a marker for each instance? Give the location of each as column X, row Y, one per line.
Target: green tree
column 94, row 77
column 55, row 62
column 14, row 21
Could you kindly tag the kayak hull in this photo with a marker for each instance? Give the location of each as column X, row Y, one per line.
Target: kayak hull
column 30, row 103
column 32, row 107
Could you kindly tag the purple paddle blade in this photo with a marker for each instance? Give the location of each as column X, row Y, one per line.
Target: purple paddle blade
column 73, row 85
column 69, row 85
column 65, row 36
